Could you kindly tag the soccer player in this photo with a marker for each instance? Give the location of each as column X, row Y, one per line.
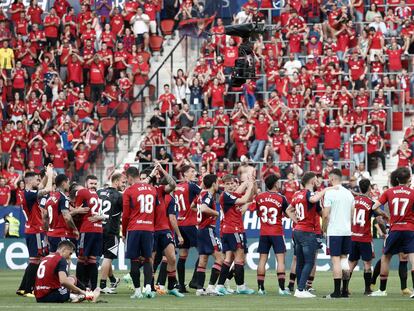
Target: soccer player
column 305, row 210
column 52, row 281
column 139, row 202
column 90, row 243
column 337, row 217
column 111, row 201
column 61, row 224
column 361, row 240
column 270, row 207
column 400, row 200
column 35, row 225
column 184, row 195
column 233, row 205
column 207, row 241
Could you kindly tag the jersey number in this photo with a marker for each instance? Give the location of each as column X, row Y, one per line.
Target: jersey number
column 96, row 206
column 179, row 200
column 199, row 213
column 359, row 218
column 146, row 203
column 300, row 211
column 50, row 213
column 400, row 203
column 41, row 270
column 268, row 215
column 106, row 206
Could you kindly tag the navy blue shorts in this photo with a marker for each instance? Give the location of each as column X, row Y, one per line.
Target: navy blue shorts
column 59, row 295
column 53, row 242
column 207, row 241
column 338, row 245
column 90, row 244
column 162, row 239
column 189, row 234
column 361, row 250
column 139, row 244
column 234, row 241
column 399, row 242
column 266, row 242
column 36, row 244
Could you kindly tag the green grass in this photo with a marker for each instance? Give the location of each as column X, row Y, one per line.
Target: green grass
column 9, row 280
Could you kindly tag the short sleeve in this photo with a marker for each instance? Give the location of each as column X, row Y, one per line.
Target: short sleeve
column 62, row 266
column 309, row 194
column 63, row 203
column 171, row 208
column 285, row 204
column 327, row 202
column 194, row 188
column 207, row 200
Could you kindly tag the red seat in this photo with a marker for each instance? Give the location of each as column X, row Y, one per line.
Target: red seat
column 151, row 92
column 107, row 125
column 110, row 143
column 123, row 126
column 167, row 26
column 102, row 111
column 155, row 43
column 121, row 108
column 136, row 109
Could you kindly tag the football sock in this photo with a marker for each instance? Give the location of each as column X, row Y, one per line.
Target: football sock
column 80, row 271
column 367, row 280
column 23, row 282
column 281, row 276
column 93, row 274
column 162, row 274
column 403, row 274
column 309, row 282
column 135, row 274
column 102, row 284
column 215, row 273
column 383, row 283
column 376, row 273
column 260, row 281
column 225, row 268
column 292, row 278
column 80, row 285
column 147, row 273
column 201, row 277
column 181, row 270
column 194, row 277
column 112, row 278
column 239, row 274
column 172, row 280
column 230, row 275
column 337, row 287
column 31, row 277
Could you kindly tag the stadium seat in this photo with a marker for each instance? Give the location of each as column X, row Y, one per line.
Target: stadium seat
column 123, row 126
column 110, row 143
column 151, row 92
column 107, row 125
column 121, row 108
column 136, row 109
column 167, row 29
column 146, row 56
column 155, row 43
column 102, row 111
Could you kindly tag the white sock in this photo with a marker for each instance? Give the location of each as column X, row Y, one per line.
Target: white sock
column 138, row 291
column 148, row 288
column 219, row 286
column 210, row 286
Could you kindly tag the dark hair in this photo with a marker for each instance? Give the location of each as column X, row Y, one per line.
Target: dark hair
column 166, row 85
column 72, row 190
column 227, row 178
column 401, row 176
column 93, row 177
column 337, row 172
column 209, row 180
column 186, row 168
column 364, row 185
column 270, row 181
column 306, row 177
column 66, row 244
column 115, row 177
column 132, row 171
column 60, row 179
column 30, row 174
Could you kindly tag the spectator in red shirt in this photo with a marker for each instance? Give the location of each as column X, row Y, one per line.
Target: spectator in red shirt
column 269, row 168
column 375, row 147
column 7, row 143
column 5, row 192
column 96, row 77
column 404, row 154
column 332, row 138
column 261, row 126
column 409, row 135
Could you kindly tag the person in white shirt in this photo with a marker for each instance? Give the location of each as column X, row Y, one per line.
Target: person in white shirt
column 140, row 27
column 292, row 65
column 379, row 25
column 361, row 172
column 338, row 205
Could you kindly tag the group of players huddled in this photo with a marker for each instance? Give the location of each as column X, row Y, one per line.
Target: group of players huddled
column 157, row 216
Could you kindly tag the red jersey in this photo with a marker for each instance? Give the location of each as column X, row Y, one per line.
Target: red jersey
column 400, row 201
column 306, row 212
column 89, row 198
column 164, row 209
column 184, row 195
column 47, row 279
column 232, row 221
column 139, row 202
column 270, row 207
column 203, row 220
column 33, row 211
column 4, row 195
column 55, row 204
column 361, row 221
column 290, row 188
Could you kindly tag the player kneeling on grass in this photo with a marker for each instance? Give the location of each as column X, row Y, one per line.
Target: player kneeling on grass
column 53, row 283
column 270, row 206
column 361, row 240
column 207, row 241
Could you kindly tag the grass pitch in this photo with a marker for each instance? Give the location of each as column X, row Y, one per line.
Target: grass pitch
column 9, row 281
